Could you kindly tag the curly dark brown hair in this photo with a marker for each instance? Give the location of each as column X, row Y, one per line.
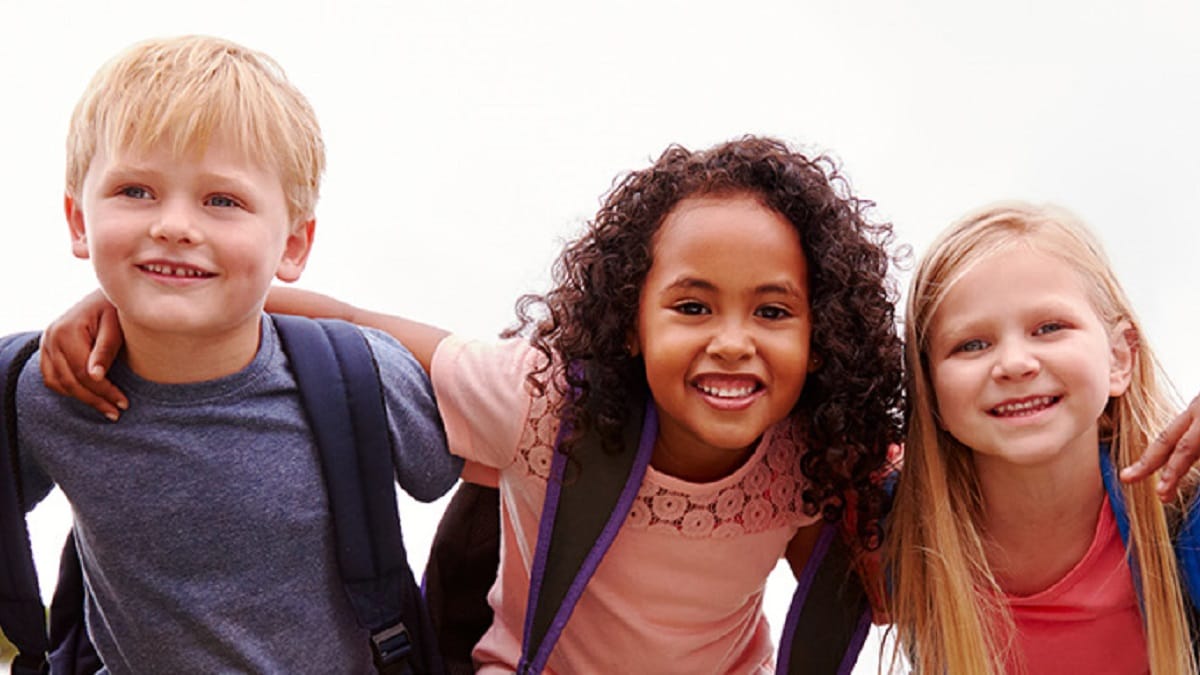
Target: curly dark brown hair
column 851, row 407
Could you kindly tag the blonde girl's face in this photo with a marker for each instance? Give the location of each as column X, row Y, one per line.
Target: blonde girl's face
column 1021, row 365
column 723, row 328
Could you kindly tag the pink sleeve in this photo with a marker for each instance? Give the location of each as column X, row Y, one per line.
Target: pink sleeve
column 482, row 396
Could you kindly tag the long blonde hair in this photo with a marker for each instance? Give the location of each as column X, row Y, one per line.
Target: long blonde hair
column 949, row 612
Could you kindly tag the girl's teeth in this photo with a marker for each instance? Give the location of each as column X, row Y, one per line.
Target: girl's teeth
column 727, row 392
column 1023, row 406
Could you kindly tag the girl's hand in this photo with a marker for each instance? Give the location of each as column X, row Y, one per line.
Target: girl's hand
column 1177, row 447
column 77, row 350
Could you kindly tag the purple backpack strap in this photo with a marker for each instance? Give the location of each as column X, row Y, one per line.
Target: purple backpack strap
column 588, row 496
column 830, row 614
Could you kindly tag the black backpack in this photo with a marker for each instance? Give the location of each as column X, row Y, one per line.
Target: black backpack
column 588, row 497
column 340, row 390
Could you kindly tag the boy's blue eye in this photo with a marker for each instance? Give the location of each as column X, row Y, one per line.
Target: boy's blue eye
column 690, row 308
column 135, row 192
column 223, row 201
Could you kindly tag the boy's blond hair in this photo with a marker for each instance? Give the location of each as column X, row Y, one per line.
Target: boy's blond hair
column 177, row 93
column 948, row 609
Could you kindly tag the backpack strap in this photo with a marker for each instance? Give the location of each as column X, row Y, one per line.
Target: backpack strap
column 22, row 615
column 588, row 496
column 830, row 613
column 1187, row 553
column 343, row 399
column 1186, row 539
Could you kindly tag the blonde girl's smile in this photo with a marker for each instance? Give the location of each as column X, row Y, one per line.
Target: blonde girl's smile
column 1021, row 363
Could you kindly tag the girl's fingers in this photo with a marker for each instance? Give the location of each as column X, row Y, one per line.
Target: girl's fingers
column 59, row 377
column 1187, row 451
column 108, row 344
column 1175, row 450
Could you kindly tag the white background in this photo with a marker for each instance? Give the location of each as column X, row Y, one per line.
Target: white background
column 467, row 141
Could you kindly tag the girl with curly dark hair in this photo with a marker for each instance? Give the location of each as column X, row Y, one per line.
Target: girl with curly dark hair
column 746, row 293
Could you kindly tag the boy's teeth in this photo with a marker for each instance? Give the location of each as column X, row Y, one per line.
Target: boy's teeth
column 727, row 392
column 1024, row 406
column 170, row 270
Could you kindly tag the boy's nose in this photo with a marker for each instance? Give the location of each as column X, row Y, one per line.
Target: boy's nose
column 175, row 224
column 732, row 341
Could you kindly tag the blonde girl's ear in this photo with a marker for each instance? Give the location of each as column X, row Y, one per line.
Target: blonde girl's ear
column 1123, row 347
column 75, row 224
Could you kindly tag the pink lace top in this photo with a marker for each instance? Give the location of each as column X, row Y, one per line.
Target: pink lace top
column 680, row 591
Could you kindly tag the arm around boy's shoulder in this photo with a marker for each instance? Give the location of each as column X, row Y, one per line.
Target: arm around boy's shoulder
column 424, row 466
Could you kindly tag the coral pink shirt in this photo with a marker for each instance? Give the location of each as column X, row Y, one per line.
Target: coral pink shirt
column 680, row 591
column 1088, row 621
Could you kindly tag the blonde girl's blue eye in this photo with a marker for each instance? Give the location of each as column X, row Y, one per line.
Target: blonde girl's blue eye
column 975, row 345
column 1048, row 327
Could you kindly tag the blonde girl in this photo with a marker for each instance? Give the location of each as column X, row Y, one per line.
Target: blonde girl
column 1028, row 374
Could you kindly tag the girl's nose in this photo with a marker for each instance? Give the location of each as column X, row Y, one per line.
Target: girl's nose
column 732, row 341
column 1015, row 361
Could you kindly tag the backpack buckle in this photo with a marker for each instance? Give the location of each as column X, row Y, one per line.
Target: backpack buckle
column 391, row 645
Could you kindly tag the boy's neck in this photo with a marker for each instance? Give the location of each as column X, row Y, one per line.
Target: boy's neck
column 179, row 358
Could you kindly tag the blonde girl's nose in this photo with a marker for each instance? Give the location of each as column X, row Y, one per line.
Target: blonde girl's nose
column 1015, row 360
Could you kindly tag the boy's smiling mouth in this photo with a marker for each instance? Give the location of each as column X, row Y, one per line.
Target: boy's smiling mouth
column 175, row 270
column 1024, row 407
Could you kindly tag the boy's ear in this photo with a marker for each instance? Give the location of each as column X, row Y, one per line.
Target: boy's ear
column 1123, row 347
column 295, row 251
column 74, row 215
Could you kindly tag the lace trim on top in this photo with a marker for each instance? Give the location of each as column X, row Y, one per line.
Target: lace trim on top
column 763, row 494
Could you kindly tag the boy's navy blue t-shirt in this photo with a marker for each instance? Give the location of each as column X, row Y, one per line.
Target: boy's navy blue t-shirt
column 203, row 524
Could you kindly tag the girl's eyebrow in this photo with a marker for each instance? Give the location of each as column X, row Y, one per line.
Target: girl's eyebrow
column 693, row 283
column 686, row 283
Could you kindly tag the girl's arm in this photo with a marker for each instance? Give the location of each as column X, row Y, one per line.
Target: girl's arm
column 800, row 548
column 79, row 347
column 420, row 339
column 77, row 350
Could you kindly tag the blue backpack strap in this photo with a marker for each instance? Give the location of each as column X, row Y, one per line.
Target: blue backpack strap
column 339, row 386
column 1116, row 498
column 588, row 496
column 1116, row 502
column 1187, row 552
column 1187, row 536
column 22, row 615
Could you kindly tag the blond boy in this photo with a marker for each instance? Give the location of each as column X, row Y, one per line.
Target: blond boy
column 204, row 531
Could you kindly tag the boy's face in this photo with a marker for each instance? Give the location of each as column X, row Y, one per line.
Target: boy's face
column 186, row 246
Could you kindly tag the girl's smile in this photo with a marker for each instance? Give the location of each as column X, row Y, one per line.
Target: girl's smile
column 723, row 328
column 1022, row 365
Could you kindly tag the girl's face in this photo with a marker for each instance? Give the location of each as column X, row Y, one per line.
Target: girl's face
column 1022, row 366
column 723, row 327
